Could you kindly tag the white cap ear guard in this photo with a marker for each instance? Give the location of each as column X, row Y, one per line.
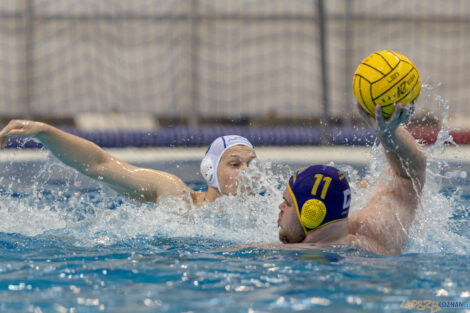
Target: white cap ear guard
column 207, row 170
column 210, row 163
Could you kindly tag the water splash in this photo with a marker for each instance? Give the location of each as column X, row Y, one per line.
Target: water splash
column 52, row 200
column 442, row 223
column 61, row 203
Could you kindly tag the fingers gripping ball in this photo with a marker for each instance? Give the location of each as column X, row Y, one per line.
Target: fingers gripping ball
column 385, row 78
column 313, row 213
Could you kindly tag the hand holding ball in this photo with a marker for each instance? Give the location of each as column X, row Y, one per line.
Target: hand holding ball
column 385, row 78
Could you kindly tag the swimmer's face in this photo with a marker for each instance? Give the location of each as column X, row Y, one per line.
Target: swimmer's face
column 234, row 160
column 290, row 230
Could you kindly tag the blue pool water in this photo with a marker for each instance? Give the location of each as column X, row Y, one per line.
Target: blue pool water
column 68, row 244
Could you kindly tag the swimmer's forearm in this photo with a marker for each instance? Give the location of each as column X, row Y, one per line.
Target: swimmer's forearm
column 86, row 157
column 404, row 154
column 76, row 152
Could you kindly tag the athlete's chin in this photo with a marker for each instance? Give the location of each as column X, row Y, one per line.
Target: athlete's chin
column 284, row 237
column 290, row 236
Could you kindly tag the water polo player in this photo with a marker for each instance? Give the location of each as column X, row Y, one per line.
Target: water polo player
column 317, row 199
column 225, row 157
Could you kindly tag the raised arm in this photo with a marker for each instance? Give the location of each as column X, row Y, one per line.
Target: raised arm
column 383, row 224
column 403, row 153
column 86, row 157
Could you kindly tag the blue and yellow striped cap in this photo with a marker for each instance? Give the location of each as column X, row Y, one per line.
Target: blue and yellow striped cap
column 321, row 196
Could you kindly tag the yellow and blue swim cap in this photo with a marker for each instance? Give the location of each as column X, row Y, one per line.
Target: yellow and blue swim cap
column 321, row 196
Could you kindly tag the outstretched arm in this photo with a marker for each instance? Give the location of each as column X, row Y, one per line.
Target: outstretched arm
column 86, row 157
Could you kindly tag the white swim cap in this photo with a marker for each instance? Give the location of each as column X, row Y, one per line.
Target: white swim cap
column 210, row 163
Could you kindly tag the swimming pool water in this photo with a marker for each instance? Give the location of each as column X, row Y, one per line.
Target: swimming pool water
column 69, row 245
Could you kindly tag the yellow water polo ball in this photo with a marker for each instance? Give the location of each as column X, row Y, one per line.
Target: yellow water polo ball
column 385, row 78
column 313, row 213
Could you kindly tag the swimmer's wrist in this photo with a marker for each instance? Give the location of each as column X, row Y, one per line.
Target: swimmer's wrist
column 43, row 131
column 388, row 140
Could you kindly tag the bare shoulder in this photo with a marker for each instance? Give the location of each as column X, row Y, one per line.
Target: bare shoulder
column 384, row 222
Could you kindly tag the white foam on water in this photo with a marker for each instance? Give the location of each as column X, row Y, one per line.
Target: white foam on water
column 85, row 218
column 442, row 222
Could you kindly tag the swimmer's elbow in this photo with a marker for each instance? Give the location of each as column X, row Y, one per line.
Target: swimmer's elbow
column 104, row 168
column 416, row 172
column 419, row 177
column 420, row 171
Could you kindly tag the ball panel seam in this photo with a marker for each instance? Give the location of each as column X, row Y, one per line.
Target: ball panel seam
column 411, row 89
column 362, row 97
column 374, row 69
column 384, row 60
column 394, row 84
column 363, row 78
column 398, row 100
column 372, row 98
column 387, row 73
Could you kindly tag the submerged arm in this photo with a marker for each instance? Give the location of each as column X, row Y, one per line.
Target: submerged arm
column 89, row 159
